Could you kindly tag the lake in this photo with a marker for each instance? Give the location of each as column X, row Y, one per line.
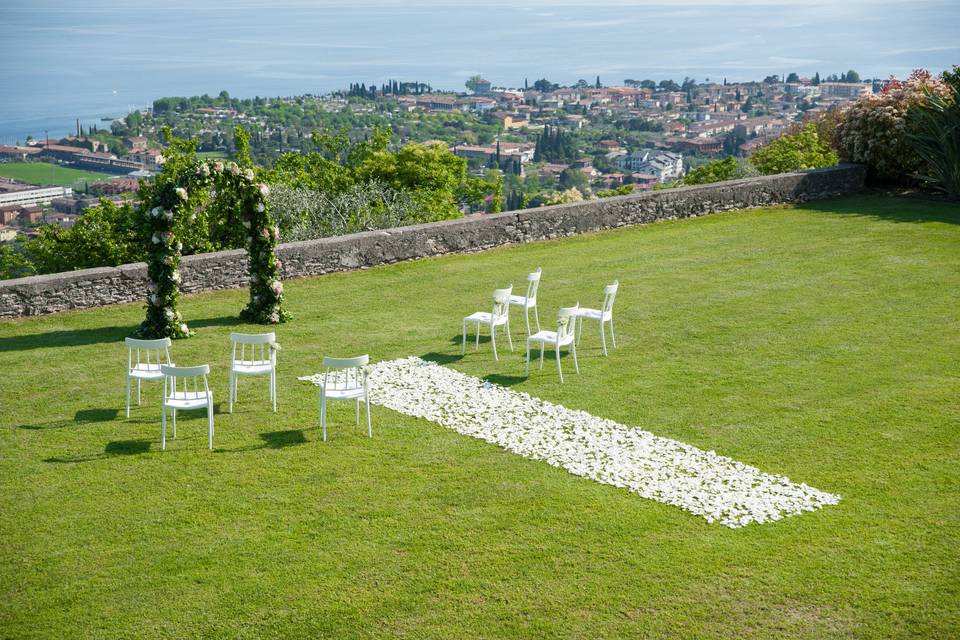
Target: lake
column 62, row 60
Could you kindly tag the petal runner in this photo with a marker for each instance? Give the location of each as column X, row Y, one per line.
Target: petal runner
column 704, row 483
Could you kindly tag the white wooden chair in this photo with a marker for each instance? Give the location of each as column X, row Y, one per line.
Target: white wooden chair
column 258, row 357
column 604, row 315
column 529, row 301
column 499, row 316
column 182, row 390
column 345, row 379
column 563, row 336
column 144, row 358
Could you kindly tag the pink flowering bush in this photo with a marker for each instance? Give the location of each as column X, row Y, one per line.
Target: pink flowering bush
column 875, row 129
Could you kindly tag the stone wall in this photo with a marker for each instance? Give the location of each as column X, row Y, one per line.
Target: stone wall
column 38, row 295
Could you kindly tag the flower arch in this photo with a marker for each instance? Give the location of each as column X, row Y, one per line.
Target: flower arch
column 169, row 212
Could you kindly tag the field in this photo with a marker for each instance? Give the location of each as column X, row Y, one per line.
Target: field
column 45, row 173
column 820, row 342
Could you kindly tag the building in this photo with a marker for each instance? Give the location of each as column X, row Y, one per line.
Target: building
column 15, row 193
column 18, row 153
column 665, row 165
column 844, row 90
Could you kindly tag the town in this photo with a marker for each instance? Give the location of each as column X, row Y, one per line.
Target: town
column 548, row 143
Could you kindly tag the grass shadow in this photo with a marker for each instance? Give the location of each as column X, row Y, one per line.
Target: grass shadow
column 95, row 415
column 505, row 380
column 891, row 209
column 282, row 439
column 441, row 358
column 102, row 335
column 112, row 450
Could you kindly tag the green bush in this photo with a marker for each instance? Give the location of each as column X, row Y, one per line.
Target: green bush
column 717, row 171
column 934, row 135
column 795, row 152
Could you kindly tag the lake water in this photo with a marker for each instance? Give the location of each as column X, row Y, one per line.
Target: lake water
column 62, row 60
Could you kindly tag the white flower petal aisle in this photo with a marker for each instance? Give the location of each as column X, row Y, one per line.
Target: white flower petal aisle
column 715, row 487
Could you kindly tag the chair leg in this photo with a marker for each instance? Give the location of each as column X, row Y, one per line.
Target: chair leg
column 559, row 368
column 366, row 399
column 573, row 348
column 138, row 392
column 603, row 338
column 493, row 339
column 463, row 347
column 174, row 412
column 579, row 328
column 163, row 429
column 323, row 417
column 613, row 336
column 536, row 316
column 128, row 396
column 210, row 422
column 542, row 346
column 273, row 388
column 233, row 382
column 358, row 411
column 526, row 316
column 509, row 337
column 527, row 370
column 477, row 345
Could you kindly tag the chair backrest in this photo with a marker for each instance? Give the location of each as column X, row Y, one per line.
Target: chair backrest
column 609, row 295
column 501, row 302
column 566, row 321
column 150, row 354
column 185, row 380
column 253, row 347
column 345, row 373
column 533, row 283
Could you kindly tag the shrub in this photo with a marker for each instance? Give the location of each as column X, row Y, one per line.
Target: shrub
column 795, row 152
column 934, row 134
column 874, row 130
column 716, row 171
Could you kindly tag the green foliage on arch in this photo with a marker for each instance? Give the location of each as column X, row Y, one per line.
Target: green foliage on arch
column 177, row 209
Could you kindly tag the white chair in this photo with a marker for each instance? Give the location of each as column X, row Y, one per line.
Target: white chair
column 604, row 315
column 178, row 395
column 345, row 379
column 258, row 357
column 144, row 358
column 529, row 301
column 563, row 336
column 498, row 317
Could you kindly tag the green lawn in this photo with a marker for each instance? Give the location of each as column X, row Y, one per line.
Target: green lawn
column 821, row 342
column 45, row 173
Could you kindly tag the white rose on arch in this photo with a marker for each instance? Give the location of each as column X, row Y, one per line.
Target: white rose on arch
column 182, row 193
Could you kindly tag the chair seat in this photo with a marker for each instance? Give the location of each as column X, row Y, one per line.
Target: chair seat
column 254, row 367
column 484, row 317
column 348, row 393
column 593, row 314
column 523, row 301
column 188, row 400
column 147, row 372
column 550, row 337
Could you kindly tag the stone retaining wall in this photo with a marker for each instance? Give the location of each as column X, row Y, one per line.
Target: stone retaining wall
column 38, row 295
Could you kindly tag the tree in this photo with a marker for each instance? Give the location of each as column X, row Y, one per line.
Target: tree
column 935, row 135
column 669, row 85
column 473, row 82
column 14, row 264
column 688, row 84
column 598, row 85
column 582, row 84
column 793, row 77
column 795, row 152
column 648, row 84
column 852, row 76
column 574, row 178
column 545, row 85
column 816, row 79
column 774, row 79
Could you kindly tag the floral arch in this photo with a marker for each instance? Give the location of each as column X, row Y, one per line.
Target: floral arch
column 170, row 211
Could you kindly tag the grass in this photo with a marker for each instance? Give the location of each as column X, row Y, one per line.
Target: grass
column 821, row 342
column 46, row 173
